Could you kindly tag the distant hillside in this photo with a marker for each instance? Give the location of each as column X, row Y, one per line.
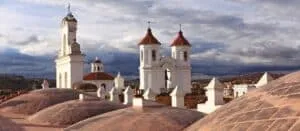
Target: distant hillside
column 15, row 82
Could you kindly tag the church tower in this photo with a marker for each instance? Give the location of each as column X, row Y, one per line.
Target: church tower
column 181, row 53
column 70, row 60
column 150, row 73
column 97, row 66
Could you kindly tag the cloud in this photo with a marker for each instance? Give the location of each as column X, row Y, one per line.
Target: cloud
column 224, row 34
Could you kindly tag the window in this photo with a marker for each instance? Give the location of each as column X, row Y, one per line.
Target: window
column 237, row 94
column 185, row 56
column 142, row 55
column 64, row 45
column 153, row 55
column 98, row 68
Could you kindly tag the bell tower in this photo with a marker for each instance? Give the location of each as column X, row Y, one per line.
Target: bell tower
column 181, row 53
column 70, row 60
column 150, row 73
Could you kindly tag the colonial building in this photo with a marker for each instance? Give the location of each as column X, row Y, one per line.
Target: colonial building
column 70, row 62
column 159, row 73
column 98, row 77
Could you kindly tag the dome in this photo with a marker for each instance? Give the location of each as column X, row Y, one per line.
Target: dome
column 98, row 76
column 273, row 107
column 87, row 87
column 149, row 39
column 152, row 117
column 70, row 17
column 73, row 111
column 180, row 40
column 37, row 100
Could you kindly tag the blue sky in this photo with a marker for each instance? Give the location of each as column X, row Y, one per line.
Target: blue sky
column 228, row 36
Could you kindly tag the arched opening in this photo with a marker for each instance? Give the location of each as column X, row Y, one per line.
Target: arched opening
column 142, row 55
column 103, row 86
column 236, row 94
column 98, row 68
column 64, row 44
column 185, row 56
column 153, row 55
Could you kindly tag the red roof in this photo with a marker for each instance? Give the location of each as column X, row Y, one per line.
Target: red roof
column 98, row 76
column 149, row 39
column 180, row 40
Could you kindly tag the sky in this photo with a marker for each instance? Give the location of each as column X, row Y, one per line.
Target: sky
column 228, row 36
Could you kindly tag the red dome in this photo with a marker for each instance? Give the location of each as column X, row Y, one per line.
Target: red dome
column 149, row 39
column 180, row 40
column 98, row 76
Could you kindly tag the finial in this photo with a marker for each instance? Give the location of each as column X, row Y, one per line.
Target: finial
column 179, row 27
column 97, row 58
column 69, row 7
column 149, row 24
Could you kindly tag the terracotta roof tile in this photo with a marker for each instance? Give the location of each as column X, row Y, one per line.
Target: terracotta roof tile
column 98, row 76
column 180, row 40
column 149, row 39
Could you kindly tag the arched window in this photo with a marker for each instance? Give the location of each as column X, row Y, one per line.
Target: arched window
column 64, row 44
column 103, row 86
column 142, row 55
column 153, row 55
column 185, row 56
column 98, row 68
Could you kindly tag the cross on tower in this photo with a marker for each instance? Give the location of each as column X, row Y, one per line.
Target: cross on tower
column 180, row 27
column 149, row 24
column 69, row 8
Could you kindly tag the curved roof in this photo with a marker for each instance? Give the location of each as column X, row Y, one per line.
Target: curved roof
column 152, row 117
column 149, row 39
column 273, row 107
column 37, row 100
column 98, row 76
column 97, row 61
column 70, row 112
column 70, row 17
column 180, row 40
column 81, row 86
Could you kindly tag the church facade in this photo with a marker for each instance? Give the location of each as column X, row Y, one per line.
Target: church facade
column 163, row 73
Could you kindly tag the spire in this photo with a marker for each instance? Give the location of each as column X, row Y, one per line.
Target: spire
column 149, row 39
column 69, row 9
column 69, row 16
column 180, row 28
column 180, row 39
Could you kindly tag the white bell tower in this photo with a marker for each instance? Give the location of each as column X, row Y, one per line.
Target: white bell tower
column 181, row 53
column 70, row 60
column 150, row 73
column 97, row 66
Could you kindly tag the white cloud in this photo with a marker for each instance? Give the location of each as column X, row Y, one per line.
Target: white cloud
column 117, row 26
